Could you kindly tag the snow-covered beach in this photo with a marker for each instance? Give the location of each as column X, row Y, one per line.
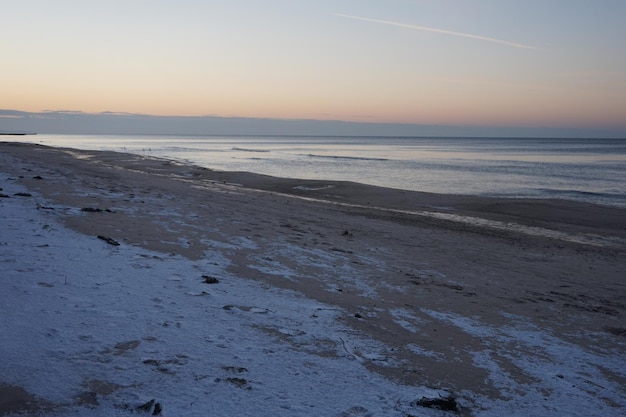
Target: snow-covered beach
column 127, row 279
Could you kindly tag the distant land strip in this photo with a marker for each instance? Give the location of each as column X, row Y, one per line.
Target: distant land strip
column 16, row 134
column 111, row 123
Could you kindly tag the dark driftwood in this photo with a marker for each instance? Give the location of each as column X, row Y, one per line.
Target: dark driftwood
column 209, row 279
column 95, row 210
column 441, row 403
column 109, row 240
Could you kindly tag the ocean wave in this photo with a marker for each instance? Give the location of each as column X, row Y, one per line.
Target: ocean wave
column 358, row 158
column 582, row 193
column 250, row 150
column 179, row 149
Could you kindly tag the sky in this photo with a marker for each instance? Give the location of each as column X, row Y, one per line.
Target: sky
column 532, row 63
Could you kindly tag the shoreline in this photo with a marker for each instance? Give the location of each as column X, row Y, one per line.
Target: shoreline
column 499, row 317
column 582, row 181
column 560, row 219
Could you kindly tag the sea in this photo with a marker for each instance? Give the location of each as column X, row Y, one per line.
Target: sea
column 588, row 170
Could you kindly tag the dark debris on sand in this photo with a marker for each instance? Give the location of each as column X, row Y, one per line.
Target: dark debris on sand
column 151, row 405
column 207, row 279
column 109, row 240
column 447, row 403
column 95, row 210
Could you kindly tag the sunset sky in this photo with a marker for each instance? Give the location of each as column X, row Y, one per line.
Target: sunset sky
column 549, row 63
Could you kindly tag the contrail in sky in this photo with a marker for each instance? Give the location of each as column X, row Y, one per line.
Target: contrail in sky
column 442, row 31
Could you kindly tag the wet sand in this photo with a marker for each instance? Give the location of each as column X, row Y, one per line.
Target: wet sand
column 555, row 265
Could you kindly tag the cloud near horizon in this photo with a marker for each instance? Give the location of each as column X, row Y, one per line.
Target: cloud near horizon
column 440, row 31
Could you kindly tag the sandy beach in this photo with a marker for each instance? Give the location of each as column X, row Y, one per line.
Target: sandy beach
column 334, row 298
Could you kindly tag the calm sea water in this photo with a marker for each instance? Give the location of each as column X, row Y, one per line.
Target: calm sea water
column 592, row 170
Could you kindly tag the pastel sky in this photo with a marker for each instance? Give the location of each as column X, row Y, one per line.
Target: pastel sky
column 551, row 63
